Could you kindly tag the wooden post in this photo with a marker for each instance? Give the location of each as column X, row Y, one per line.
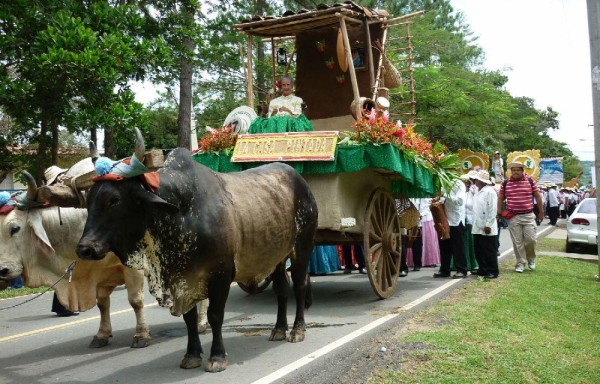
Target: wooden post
column 274, row 62
column 249, row 76
column 380, row 65
column 370, row 57
column 413, row 102
column 351, row 68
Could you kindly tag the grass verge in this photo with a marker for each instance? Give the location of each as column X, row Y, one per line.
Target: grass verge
column 10, row 293
column 547, row 244
column 536, row 327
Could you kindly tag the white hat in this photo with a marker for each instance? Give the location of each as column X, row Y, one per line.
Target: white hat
column 483, row 176
column 382, row 103
column 52, row 172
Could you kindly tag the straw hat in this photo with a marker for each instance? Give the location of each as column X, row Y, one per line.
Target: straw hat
column 382, row 103
column 483, row 176
column 516, row 164
column 52, row 172
column 469, row 175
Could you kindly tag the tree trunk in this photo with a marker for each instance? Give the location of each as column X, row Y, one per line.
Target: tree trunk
column 94, row 136
column 184, row 121
column 41, row 157
column 54, row 150
column 109, row 143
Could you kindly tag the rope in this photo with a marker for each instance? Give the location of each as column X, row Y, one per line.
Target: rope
column 68, row 271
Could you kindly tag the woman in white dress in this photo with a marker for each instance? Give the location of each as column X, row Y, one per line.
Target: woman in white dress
column 498, row 166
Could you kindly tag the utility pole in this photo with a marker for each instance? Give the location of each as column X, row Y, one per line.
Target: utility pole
column 593, row 10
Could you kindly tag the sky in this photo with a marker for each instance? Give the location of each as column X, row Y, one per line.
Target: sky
column 543, row 48
column 543, row 45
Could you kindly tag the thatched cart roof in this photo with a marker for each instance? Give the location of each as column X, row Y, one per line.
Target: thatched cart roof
column 292, row 23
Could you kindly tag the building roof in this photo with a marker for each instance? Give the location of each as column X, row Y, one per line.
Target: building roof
column 291, row 23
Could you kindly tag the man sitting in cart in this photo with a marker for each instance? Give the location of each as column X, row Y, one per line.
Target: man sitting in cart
column 285, row 113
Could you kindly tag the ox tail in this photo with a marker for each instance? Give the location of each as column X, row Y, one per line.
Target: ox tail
column 308, row 293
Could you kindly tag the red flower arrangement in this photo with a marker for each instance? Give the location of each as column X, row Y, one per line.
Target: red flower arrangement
column 377, row 129
column 222, row 139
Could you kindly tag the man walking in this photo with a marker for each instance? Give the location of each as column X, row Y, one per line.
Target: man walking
column 485, row 226
column 553, row 204
column 517, row 191
column 454, row 248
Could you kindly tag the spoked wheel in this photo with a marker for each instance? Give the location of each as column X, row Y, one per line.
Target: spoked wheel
column 383, row 245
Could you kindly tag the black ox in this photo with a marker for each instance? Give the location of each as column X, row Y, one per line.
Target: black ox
column 201, row 230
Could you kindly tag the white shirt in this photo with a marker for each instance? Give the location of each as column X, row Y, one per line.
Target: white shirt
column 553, row 197
column 485, row 205
column 291, row 102
column 422, row 206
column 455, row 204
column 469, row 203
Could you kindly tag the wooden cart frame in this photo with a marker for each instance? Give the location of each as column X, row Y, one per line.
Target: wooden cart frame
column 354, row 207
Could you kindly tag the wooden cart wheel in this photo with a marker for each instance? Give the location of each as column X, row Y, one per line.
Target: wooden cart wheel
column 383, row 245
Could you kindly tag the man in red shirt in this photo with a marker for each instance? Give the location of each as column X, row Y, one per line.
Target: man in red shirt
column 517, row 191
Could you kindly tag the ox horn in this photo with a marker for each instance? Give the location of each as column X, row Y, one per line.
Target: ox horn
column 140, row 148
column 31, row 185
column 93, row 152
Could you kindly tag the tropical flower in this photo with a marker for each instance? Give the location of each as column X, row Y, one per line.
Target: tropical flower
column 377, row 128
column 222, row 139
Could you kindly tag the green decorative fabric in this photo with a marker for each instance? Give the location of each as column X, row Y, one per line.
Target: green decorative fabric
column 281, row 124
column 415, row 181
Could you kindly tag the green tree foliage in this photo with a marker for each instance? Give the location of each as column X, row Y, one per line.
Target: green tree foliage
column 68, row 63
column 460, row 103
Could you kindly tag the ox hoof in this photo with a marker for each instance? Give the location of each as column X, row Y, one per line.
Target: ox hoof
column 296, row 336
column 190, row 361
column 202, row 329
column 277, row 335
column 140, row 341
column 98, row 342
column 216, row 364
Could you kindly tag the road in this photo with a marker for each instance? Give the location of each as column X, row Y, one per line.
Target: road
column 38, row 347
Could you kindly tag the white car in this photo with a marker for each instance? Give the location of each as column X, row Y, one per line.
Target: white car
column 582, row 225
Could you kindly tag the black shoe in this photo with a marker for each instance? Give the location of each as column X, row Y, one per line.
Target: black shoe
column 416, row 269
column 362, row 271
column 459, row 275
column 347, row 271
column 403, row 273
column 476, row 272
column 440, row 275
column 67, row 314
column 490, row 276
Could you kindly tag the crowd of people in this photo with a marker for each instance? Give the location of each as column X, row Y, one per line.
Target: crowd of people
column 478, row 207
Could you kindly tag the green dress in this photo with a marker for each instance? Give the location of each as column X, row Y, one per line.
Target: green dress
column 281, row 124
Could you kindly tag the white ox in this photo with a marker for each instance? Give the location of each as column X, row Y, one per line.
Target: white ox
column 39, row 244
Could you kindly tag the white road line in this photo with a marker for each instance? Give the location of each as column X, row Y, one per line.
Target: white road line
column 65, row 325
column 278, row 374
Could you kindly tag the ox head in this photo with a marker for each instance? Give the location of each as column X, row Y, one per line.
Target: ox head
column 22, row 234
column 119, row 215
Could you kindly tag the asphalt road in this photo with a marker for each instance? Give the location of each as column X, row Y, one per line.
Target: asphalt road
column 38, row 347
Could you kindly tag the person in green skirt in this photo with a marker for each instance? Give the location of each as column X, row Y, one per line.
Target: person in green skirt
column 469, row 245
column 285, row 113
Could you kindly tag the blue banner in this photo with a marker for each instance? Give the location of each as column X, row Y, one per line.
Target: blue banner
column 551, row 171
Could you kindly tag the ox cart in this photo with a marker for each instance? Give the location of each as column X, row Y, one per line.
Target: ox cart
column 362, row 189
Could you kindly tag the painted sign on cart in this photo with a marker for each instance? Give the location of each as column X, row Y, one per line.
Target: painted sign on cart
column 289, row 146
